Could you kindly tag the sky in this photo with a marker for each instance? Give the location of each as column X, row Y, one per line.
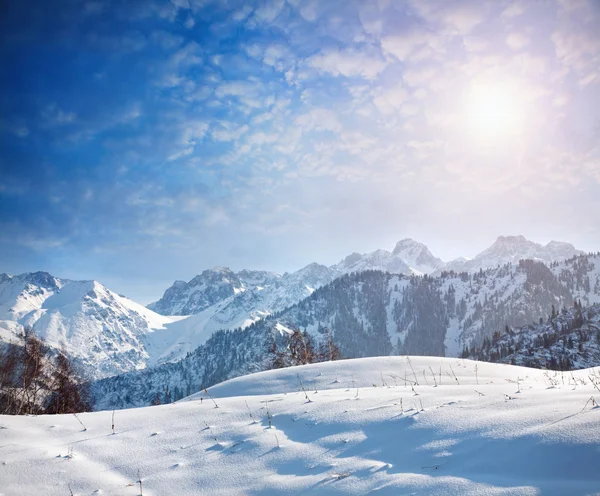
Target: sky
column 144, row 141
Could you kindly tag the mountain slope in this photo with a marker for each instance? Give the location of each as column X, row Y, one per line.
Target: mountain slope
column 369, row 314
column 363, row 430
column 105, row 332
column 568, row 340
column 210, row 287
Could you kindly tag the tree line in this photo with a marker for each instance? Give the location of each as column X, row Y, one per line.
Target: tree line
column 301, row 349
column 36, row 379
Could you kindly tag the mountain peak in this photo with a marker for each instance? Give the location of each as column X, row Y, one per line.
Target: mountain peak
column 518, row 239
column 511, row 249
column 408, row 243
column 417, row 256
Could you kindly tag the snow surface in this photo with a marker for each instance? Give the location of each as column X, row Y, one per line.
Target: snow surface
column 483, row 429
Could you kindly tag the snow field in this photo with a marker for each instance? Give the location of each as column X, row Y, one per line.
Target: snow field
column 393, row 425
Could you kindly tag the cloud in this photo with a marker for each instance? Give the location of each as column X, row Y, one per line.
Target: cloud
column 319, row 120
column 182, row 133
column 21, row 131
column 349, row 63
column 517, row 41
column 189, row 22
column 515, row 9
column 389, row 100
column 455, row 17
column 413, row 44
column 463, row 17
column 266, row 13
column 577, row 40
column 227, row 131
column 53, row 115
column 166, row 40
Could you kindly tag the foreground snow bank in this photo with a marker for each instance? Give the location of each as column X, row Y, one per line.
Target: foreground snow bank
column 387, row 425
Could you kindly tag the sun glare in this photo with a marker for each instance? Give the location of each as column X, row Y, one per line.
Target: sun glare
column 494, row 111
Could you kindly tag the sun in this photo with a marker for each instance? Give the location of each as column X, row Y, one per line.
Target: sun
column 494, row 111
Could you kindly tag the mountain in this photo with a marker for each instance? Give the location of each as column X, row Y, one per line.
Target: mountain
column 110, row 334
column 408, row 257
column 512, row 249
column 210, row 287
column 107, row 333
column 236, row 299
column 374, row 313
column 417, row 256
column 219, row 298
column 567, row 340
column 378, row 260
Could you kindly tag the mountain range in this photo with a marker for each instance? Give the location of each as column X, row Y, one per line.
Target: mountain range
column 110, row 334
column 374, row 313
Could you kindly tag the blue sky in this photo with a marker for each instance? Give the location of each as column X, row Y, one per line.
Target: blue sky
column 144, row 141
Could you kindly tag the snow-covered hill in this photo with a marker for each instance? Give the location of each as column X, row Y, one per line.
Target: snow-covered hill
column 395, row 425
column 512, row 249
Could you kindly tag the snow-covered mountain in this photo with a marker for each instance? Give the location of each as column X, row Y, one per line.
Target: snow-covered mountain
column 105, row 332
column 374, row 313
column 222, row 299
column 226, row 299
column 512, row 249
column 111, row 334
column 210, row 287
column 408, row 257
column 417, row 256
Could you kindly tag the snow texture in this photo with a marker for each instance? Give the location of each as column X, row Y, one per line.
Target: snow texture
column 395, row 425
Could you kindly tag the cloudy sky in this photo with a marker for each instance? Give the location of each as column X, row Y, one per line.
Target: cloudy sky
column 144, row 141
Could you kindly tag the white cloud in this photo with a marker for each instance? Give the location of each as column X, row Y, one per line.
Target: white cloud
column 182, row 4
column 371, row 18
column 228, row 132
column 389, row 100
column 267, row 12
column 275, row 55
column 189, row 22
column 234, row 88
column 515, row 9
column 463, row 17
column 516, row 41
column 577, row 39
column 309, row 10
column 319, row 120
column 181, row 153
column 415, row 44
column 457, row 17
column 55, row 116
column 349, row 63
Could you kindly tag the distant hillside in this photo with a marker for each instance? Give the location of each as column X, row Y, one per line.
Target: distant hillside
column 567, row 340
